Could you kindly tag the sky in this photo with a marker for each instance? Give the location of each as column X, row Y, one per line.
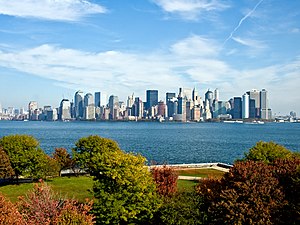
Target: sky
column 49, row 49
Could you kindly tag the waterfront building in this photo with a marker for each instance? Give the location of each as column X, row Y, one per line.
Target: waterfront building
column 51, row 115
column 32, row 110
column 237, row 110
column 171, row 102
column 209, row 97
column 113, row 104
column 89, row 107
column 79, row 105
column 254, row 95
column 130, row 101
column 216, row 95
column 252, row 110
column 138, row 108
column 264, row 104
column 65, row 110
column 181, row 111
column 98, row 99
column 151, row 98
column 161, row 109
column 245, row 106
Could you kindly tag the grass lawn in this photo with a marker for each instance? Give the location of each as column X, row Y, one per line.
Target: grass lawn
column 199, row 172
column 186, row 185
column 66, row 187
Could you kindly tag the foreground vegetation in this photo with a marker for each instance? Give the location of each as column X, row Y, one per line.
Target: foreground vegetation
column 261, row 188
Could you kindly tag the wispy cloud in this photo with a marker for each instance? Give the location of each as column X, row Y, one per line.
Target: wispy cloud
column 250, row 43
column 242, row 20
column 62, row 10
column 190, row 9
column 122, row 73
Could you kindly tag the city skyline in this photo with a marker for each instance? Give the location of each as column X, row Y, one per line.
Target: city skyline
column 50, row 49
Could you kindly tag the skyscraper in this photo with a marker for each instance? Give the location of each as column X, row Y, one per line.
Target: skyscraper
column 78, row 104
column 264, row 105
column 237, row 110
column 65, row 110
column 181, row 111
column 255, row 95
column 113, row 104
column 151, row 98
column 89, row 107
column 97, row 99
column 170, row 102
column 245, row 106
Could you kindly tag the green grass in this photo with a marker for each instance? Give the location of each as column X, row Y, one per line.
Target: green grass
column 186, row 185
column 198, row 172
column 78, row 188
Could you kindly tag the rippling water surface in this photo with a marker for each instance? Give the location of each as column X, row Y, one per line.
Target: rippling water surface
column 163, row 142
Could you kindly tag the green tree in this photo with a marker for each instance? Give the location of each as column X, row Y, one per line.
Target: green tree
column 63, row 158
column 25, row 155
column 5, row 166
column 267, row 152
column 124, row 189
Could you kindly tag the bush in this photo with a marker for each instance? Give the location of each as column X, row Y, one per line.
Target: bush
column 165, row 178
column 9, row 214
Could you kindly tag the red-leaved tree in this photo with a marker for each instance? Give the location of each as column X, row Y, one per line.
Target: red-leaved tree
column 165, row 178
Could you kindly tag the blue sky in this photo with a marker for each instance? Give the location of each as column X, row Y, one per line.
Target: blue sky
column 51, row 48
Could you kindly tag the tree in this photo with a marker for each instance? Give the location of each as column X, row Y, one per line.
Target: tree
column 5, row 166
column 124, row 189
column 248, row 194
column 165, row 178
column 63, row 158
column 267, row 152
column 25, row 156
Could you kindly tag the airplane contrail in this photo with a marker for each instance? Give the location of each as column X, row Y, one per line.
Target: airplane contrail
column 242, row 20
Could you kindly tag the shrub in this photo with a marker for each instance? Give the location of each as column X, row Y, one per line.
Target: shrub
column 9, row 214
column 165, row 178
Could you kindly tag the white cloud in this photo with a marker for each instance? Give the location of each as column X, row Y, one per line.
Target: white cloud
column 196, row 46
column 250, row 43
column 61, row 10
column 190, row 9
column 122, row 73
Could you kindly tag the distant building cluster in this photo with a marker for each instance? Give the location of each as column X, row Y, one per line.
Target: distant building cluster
column 185, row 106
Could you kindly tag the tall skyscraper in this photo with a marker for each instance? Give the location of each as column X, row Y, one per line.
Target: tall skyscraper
column 255, row 95
column 264, row 105
column 237, row 110
column 245, row 106
column 113, row 104
column 78, row 104
column 217, row 94
column 171, row 105
column 151, row 98
column 209, row 97
column 97, row 99
column 181, row 111
column 33, row 110
column 138, row 108
column 89, row 107
column 65, row 110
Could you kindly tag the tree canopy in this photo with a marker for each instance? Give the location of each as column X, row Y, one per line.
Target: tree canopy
column 123, row 187
column 267, row 152
column 25, row 155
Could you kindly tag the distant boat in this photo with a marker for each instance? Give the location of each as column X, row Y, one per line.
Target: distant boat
column 25, row 120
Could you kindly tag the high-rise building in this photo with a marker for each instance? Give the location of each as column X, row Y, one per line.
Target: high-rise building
column 97, row 99
column 113, row 104
column 181, row 110
column 264, row 104
column 171, row 104
column 65, row 110
column 217, row 94
column 78, row 104
column 130, row 101
column 89, row 107
column 138, row 108
column 245, row 106
column 255, row 95
column 209, row 97
column 151, row 98
column 237, row 110
column 32, row 110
